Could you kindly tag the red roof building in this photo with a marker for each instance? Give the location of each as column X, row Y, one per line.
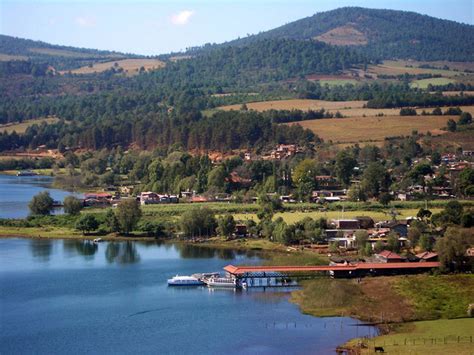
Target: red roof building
column 387, row 256
column 427, row 256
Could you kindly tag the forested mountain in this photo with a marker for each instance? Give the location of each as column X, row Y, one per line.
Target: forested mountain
column 163, row 107
column 384, row 34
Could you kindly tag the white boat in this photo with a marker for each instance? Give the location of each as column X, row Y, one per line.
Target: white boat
column 184, row 281
column 221, row 282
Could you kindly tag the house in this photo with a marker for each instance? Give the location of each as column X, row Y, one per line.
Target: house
column 442, row 192
column 287, row 199
column 236, row 179
column 97, row 199
column 387, row 256
column 198, row 199
column 126, row 190
column 347, row 242
column 150, row 198
column 365, row 222
column 427, row 256
column 283, row 151
column 346, row 223
column 399, row 227
column 327, row 182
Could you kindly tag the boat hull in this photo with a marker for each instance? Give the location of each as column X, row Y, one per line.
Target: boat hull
column 186, row 284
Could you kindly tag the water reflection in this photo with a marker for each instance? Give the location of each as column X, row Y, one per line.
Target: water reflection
column 41, row 249
column 122, row 253
column 86, row 248
column 189, row 251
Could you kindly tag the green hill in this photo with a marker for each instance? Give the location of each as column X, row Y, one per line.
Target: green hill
column 384, row 34
column 61, row 57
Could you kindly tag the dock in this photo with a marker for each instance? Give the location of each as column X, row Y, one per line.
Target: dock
column 289, row 275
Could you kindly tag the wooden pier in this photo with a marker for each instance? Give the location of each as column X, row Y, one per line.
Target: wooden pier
column 287, row 275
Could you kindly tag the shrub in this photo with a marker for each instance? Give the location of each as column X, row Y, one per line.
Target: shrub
column 41, row 204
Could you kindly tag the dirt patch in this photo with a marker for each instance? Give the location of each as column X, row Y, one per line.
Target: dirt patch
column 346, row 35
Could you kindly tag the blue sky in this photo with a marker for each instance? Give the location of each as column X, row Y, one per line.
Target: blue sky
column 155, row 27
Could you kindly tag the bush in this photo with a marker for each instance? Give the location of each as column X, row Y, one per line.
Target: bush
column 407, row 111
column 87, row 223
column 128, row 215
column 152, row 229
column 198, row 222
column 72, row 205
column 41, row 204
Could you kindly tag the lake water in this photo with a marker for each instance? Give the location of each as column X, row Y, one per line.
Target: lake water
column 17, row 191
column 71, row 296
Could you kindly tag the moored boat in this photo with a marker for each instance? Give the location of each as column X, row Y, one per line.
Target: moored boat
column 26, row 173
column 184, row 281
column 221, row 282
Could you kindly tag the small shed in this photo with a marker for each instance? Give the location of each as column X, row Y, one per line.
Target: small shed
column 427, row 256
column 387, row 256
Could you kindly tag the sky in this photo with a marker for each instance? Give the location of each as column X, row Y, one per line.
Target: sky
column 152, row 27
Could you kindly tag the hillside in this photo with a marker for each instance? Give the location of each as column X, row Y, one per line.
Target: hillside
column 61, row 57
column 385, row 34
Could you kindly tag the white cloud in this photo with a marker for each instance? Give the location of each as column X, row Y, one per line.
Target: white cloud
column 85, row 21
column 181, row 18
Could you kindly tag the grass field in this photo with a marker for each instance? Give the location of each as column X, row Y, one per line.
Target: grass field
column 336, row 82
column 21, row 127
column 423, row 83
column 399, row 67
column 404, row 298
column 131, row 66
column 373, row 129
column 295, row 216
column 441, row 337
column 346, row 108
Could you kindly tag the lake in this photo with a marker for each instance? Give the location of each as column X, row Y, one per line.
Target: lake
column 73, row 296
column 17, row 191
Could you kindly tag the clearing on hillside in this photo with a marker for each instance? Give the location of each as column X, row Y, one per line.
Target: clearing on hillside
column 297, row 104
column 374, row 129
column 343, row 36
column 130, row 66
column 21, row 127
column 8, row 57
column 423, row 83
column 69, row 53
column 346, row 108
column 397, row 67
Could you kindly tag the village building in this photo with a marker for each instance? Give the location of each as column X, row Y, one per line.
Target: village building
column 387, row 256
column 427, row 256
column 97, row 199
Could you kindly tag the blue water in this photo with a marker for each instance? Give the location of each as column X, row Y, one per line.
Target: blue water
column 17, row 191
column 66, row 296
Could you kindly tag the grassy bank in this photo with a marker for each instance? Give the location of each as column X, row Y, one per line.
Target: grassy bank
column 388, row 300
column 443, row 336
